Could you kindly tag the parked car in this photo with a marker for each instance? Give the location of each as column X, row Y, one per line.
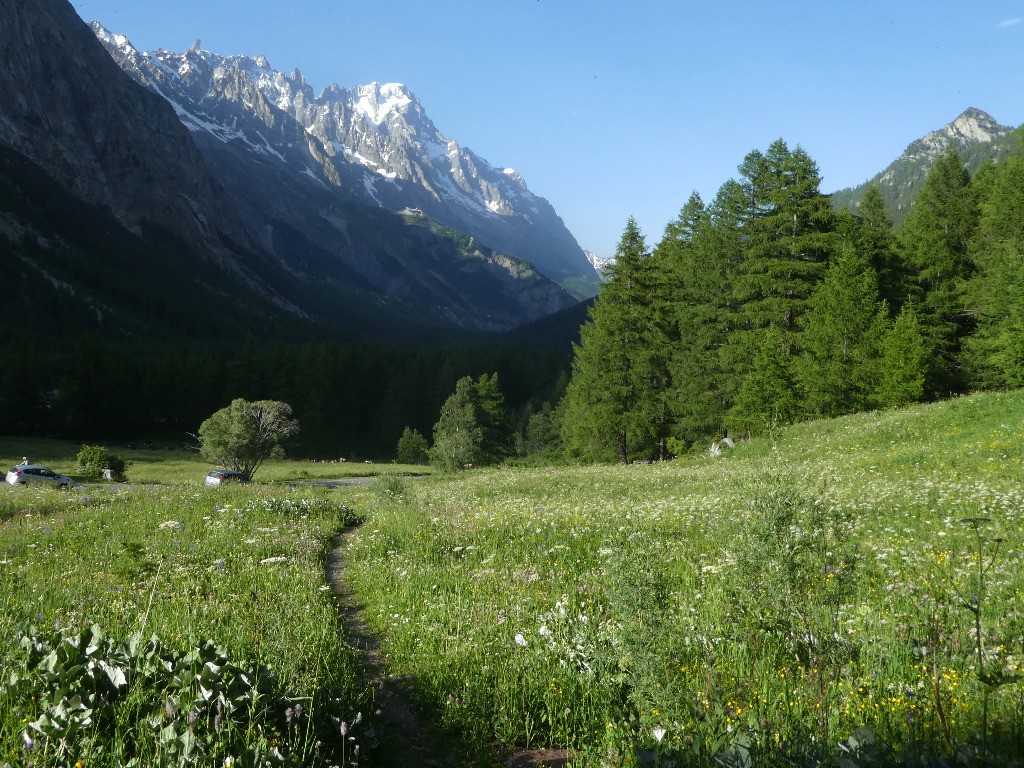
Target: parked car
column 37, row 473
column 222, row 476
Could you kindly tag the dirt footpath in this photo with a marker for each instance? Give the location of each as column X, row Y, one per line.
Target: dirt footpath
column 407, row 740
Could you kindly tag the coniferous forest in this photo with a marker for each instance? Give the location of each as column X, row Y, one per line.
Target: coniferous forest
column 767, row 306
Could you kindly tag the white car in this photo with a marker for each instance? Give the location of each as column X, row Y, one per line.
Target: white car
column 37, row 473
column 222, row 476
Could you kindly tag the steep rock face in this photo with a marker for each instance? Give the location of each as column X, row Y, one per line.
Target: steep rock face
column 971, row 128
column 113, row 212
column 974, row 134
column 65, row 105
column 373, row 145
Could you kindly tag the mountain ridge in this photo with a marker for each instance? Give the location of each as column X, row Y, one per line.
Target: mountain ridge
column 371, row 144
column 237, row 226
column 975, row 134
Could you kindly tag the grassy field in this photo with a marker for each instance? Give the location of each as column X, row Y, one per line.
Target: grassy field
column 848, row 590
column 177, row 466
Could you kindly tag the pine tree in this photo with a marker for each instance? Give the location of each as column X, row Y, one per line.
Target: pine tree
column 610, row 404
column 768, row 396
column 934, row 243
column 995, row 295
column 904, row 362
column 412, row 448
column 789, row 234
column 842, row 339
column 694, row 260
column 876, row 240
column 493, row 419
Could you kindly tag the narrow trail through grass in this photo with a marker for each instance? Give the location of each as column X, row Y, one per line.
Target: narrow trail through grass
column 408, row 738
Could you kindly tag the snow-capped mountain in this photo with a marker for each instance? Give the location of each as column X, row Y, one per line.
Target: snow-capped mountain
column 194, row 205
column 598, row 263
column 372, row 144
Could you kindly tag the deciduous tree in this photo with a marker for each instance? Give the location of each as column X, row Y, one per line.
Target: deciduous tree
column 245, row 434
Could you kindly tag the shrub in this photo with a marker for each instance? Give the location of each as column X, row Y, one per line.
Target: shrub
column 412, row 448
column 94, row 460
column 388, row 487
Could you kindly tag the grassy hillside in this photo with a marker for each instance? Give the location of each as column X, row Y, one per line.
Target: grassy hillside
column 851, row 588
column 767, row 603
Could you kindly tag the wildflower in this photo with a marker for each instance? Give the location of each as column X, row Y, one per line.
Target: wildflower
column 520, row 640
column 659, row 733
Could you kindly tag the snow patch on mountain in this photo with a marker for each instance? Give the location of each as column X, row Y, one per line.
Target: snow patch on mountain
column 341, row 132
column 599, row 264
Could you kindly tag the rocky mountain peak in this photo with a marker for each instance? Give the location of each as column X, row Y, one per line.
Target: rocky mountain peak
column 379, row 102
column 974, row 134
column 371, row 144
column 972, row 127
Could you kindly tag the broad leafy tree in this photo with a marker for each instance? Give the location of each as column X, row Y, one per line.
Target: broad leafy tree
column 457, row 433
column 473, row 427
column 245, row 434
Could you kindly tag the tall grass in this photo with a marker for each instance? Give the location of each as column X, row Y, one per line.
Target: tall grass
column 851, row 589
column 207, row 611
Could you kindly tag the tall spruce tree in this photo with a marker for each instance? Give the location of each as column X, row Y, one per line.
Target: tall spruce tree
column 904, row 362
column 934, row 243
column 495, row 425
column 694, row 258
column 995, row 295
column 768, row 396
column 609, row 405
column 789, row 234
column 842, row 338
column 876, row 240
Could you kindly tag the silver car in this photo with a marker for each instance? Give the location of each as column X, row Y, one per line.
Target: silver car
column 37, row 473
column 222, row 476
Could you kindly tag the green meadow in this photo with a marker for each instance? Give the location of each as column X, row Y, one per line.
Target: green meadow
column 844, row 592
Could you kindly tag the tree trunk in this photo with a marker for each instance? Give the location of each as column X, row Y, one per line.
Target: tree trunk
column 623, row 456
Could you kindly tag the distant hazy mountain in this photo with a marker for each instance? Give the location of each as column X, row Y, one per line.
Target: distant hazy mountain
column 974, row 134
column 372, row 144
column 598, row 263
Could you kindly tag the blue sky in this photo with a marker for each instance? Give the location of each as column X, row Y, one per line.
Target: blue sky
column 619, row 109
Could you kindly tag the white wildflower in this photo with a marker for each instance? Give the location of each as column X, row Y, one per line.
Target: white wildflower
column 520, row 640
